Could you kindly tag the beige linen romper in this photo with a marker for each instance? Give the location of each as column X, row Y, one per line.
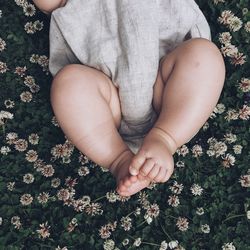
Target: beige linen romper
column 125, row 39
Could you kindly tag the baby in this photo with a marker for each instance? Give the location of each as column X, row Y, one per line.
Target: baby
column 87, row 105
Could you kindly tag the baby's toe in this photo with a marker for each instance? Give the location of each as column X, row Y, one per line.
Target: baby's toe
column 121, row 187
column 137, row 162
column 133, row 178
column 154, row 172
column 127, row 182
column 147, row 167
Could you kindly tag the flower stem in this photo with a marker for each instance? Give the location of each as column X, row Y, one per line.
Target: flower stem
column 234, row 216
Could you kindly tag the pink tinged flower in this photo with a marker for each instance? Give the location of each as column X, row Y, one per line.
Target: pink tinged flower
column 3, row 67
column 182, row 223
column 2, row 45
column 238, row 59
column 21, row 145
column 245, row 180
column 235, row 23
column 229, row 50
column 225, row 37
column 244, row 84
column 244, row 112
column 228, row 160
column 173, row 200
column 20, row 71
column 26, row 199
column 247, row 26
column 225, row 17
column 26, row 96
column 44, row 231
column 48, row 170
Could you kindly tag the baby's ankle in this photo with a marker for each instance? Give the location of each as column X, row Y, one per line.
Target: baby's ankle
column 169, row 140
column 119, row 160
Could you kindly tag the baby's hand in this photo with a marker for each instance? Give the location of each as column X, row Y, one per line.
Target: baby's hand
column 47, row 6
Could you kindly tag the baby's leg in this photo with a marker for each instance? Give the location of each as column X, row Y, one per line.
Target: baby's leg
column 186, row 91
column 87, row 108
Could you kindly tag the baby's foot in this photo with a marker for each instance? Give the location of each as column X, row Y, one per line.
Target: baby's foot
column 154, row 160
column 127, row 184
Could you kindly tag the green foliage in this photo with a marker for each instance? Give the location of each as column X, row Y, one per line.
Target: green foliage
column 222, row 205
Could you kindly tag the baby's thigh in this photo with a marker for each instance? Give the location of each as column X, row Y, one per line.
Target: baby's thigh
column 90, row 78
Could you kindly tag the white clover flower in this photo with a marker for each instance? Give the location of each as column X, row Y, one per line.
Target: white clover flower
column 197, row 150
column 230, row 137
column 61, row 248
column 43, row 232
column 38, row 25
column 244, row 84
column 237, row 149
column 125, row 242
column 9, row 103
column 33, row 138
column 235, row 23
column 228, row 160
column 205, row 228
column 21, row 2
column 205, row 126
column 83, row 171
column 173, row 200
column 219, row 108
column 137, row 242
column 109, row 245
column 229, row 50
column 172, row 244
column 43, row 197
column 10, row 186
column 183, row 150
column 225, row 16
column 176, row 188
column 5, row 115
column 180, row 164
column 148, row 218
column 164, row 245
column 126, row 223
column 248, row 214
column 225, row 37
column 200, row 210
column 228, row 246
column 245, row 180
column 28, row 178
column 196, row 189
column 247, row 26
column 231, row 114
column 29, row 10
column 244, row 11
column 182, row 223
column 111, row 197
column 137, row 211
column 26, row 199
column 218, row 1
column 26, row 96
column 2, row 45
column 5, row 150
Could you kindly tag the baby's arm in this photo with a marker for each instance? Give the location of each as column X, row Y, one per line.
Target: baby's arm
column 47, row 6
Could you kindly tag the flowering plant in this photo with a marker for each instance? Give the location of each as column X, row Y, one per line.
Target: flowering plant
column 54, row 197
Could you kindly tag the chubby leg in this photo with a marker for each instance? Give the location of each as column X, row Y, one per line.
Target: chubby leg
column 187, row 89
column 87, row 108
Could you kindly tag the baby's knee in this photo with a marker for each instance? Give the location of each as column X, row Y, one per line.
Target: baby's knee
column 47, row 6
column 203, row 49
